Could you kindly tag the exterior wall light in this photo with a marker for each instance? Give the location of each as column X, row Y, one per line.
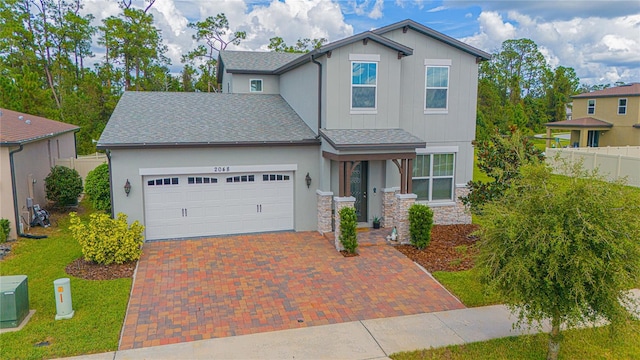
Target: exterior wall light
column 307, row 179
column 127, row 187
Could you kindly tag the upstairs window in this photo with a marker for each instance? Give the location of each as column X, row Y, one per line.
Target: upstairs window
column 591, row 107
column 622, row 106
column 364, row 83
column 256, row 85
column 436, row 85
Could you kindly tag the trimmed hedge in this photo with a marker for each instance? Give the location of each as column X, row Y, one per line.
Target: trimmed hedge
column 420, row 224
column 105, row 240
column 63, row 186
column 348, row 225
column 98, row 189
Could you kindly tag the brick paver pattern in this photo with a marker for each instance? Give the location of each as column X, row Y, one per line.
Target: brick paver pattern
column 186, row 290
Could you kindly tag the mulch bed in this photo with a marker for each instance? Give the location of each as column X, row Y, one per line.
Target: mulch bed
column 452, row 248
column 92, row 271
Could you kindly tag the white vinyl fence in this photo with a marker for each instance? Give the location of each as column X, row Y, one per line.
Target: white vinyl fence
column 611, row 162
column 84, row 163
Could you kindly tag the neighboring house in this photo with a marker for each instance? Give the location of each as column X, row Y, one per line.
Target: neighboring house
column 609, row 117
column 369, row 119
column 29, row 146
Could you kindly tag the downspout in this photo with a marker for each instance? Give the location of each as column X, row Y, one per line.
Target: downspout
column 15, row 197
column 319, row 93
column 108, row 152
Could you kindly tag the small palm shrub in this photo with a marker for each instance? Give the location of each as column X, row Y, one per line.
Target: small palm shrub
column 420, row 224
column 348, row 225
column 5, row 228
column 98, row 189
column 105, row 240
column 63, row 186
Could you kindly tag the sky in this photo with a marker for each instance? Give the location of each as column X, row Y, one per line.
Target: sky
column 599, row 39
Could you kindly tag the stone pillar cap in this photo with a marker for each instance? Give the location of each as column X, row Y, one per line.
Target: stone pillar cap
column 324, row 193
column 344, row 199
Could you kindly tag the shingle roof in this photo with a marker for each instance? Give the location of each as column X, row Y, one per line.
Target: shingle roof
column 144, row 119
column 255, row 61
column 581, row 122
column 14, row 130
column 624, row 90
column 371, row 139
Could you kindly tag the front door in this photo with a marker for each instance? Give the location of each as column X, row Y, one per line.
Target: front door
column 359, row 189
column 593, row 138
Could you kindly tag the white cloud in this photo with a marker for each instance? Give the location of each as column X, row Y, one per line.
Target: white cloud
column 436, row 9
column 376, row 12
column 599, row 49
column 289, row 19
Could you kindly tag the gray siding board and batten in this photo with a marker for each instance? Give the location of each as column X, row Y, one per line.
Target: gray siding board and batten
column 299, row 88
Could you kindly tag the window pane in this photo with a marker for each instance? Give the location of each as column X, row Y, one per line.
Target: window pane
column 421, row 165
column 256, row 85
column 363, row 97
column 420, row 187
column 437, row 77
column 363, row 73
column 442, row 189
column 436, row 98
column 442, row 164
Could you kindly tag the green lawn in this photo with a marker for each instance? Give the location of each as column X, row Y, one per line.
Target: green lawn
column 99, row 306
column 592, row 343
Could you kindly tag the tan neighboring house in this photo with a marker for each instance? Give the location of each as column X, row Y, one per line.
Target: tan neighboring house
column 29, row 146
column 609, row 117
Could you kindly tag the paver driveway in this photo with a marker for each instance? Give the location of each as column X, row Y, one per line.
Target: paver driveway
column 207, row 288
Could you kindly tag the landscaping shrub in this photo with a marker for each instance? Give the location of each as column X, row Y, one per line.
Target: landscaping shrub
column 63, row 186
column 348, row 224
column 420, row 224
column 5, row 227
column 105, row 240
column 98, row 189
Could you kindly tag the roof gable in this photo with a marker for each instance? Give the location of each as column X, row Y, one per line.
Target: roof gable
column 20, row 128
column 410, row 24
column 143, row 119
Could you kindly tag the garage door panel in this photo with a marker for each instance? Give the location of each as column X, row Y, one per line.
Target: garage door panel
column 206, row 204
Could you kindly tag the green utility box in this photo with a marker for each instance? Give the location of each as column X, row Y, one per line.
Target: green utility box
column 14, row 300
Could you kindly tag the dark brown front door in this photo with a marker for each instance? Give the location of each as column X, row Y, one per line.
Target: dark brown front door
column 359, row 189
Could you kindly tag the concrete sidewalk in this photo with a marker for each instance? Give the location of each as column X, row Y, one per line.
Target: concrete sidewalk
column 357, row 340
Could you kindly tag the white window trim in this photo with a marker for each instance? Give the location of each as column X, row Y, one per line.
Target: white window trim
column 626, row 103
column 364, row 111
column 437, row 63
column 594, row 107
column 430, row 201
column 364, row 57
column 261, row 85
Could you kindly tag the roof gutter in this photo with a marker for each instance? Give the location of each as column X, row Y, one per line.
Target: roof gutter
column 313, row 59
column 303, row 142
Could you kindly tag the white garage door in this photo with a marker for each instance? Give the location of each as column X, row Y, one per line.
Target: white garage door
column 180, row 206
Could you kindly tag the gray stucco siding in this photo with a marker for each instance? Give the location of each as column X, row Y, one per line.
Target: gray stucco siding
column 241, row 83
column 299, row 88
column 338, row 89
column 126, row 164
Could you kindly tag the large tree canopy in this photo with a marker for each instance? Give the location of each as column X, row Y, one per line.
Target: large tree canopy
column 562, row 248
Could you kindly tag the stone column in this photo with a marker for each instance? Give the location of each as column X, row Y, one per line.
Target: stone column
column 325, row 200
column 401, row 216
column 388, row 206
column 341, row 202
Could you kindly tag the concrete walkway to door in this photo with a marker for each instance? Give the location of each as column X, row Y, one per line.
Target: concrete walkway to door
column 186, row 290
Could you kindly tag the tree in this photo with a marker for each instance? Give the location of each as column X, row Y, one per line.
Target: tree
column 277, row 44
column 213, row 31
column 565, row 83
column 560, row 248
column 500, row 157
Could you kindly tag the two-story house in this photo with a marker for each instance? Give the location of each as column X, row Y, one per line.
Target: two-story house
column 380, row 120
column 609, row 117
